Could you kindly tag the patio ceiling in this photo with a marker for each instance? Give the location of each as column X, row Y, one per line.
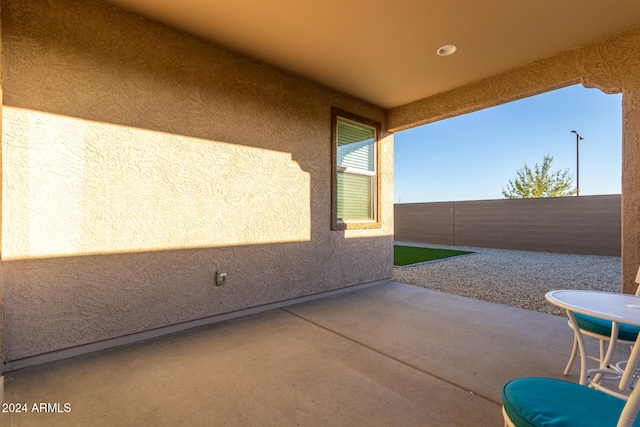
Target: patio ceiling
column 385, row 52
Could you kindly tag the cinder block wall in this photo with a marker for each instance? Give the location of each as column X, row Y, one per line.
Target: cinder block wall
column 587, row 225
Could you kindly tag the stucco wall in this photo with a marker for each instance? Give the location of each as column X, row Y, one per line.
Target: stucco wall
column 138, row 160
column 1, row 280
column 612, row 65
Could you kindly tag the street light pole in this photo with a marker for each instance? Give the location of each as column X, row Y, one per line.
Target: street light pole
column 578, row 138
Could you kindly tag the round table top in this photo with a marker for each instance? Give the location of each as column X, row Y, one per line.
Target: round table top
column 612, row 306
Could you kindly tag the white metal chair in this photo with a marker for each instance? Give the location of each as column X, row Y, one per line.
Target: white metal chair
column 538, row 402
column 602, row 331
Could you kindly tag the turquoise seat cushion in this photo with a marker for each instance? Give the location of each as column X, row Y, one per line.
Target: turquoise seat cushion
column 603, row 327
column 538, row 402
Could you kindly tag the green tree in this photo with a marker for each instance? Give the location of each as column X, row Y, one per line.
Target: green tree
column 540, row 182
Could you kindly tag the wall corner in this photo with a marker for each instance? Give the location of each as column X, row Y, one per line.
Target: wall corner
column 1, row 185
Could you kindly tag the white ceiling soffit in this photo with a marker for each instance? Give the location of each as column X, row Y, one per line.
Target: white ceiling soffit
column 384, row 51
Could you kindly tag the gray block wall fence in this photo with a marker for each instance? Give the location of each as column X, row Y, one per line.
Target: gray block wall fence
column 585, row 225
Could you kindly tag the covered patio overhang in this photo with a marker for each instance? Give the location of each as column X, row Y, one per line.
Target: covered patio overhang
column 507, row 52
column 384, row 346
column 610, row 65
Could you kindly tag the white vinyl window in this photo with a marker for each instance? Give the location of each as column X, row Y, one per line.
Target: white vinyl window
column 355, row 171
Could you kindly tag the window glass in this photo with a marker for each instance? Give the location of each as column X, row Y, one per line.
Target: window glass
column 354, row 196
column 355, row 170
column 356, row 147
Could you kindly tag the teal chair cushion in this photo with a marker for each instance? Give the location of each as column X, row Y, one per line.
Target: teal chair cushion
column 538, row 402
column 603, row 327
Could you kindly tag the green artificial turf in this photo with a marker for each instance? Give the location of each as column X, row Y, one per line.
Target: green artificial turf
column 406, row 255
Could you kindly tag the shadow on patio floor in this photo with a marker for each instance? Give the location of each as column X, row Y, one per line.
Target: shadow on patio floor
column 391, row 354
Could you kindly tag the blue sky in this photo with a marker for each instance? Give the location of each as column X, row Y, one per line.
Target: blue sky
column 472, row 157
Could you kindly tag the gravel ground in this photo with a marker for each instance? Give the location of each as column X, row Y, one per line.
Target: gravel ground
column 516, row 278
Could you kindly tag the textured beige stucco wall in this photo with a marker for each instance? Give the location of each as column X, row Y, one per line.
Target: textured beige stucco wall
column 631, row 182
column 613, row 65
column 1, row 284
column 138, row 160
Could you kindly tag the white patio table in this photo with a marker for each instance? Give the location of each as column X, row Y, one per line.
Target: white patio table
column 615, row 307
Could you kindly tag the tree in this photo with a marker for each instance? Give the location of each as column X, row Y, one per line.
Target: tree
column 540, row 182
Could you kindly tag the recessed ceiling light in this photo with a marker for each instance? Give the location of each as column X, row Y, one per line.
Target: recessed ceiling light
column 447, row 50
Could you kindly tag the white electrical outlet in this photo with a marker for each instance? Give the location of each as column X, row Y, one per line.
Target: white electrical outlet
column 221, row 278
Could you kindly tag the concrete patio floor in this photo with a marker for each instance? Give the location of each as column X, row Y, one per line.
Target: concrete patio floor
column 387, row 355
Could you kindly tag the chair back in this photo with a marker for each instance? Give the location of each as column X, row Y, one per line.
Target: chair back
column 629, row 381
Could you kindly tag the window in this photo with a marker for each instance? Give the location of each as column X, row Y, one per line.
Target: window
column 355, row 171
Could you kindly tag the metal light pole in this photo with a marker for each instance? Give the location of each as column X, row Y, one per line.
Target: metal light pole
column 578, row 138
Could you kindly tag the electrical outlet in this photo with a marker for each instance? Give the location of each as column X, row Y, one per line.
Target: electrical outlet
column 221, row 278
